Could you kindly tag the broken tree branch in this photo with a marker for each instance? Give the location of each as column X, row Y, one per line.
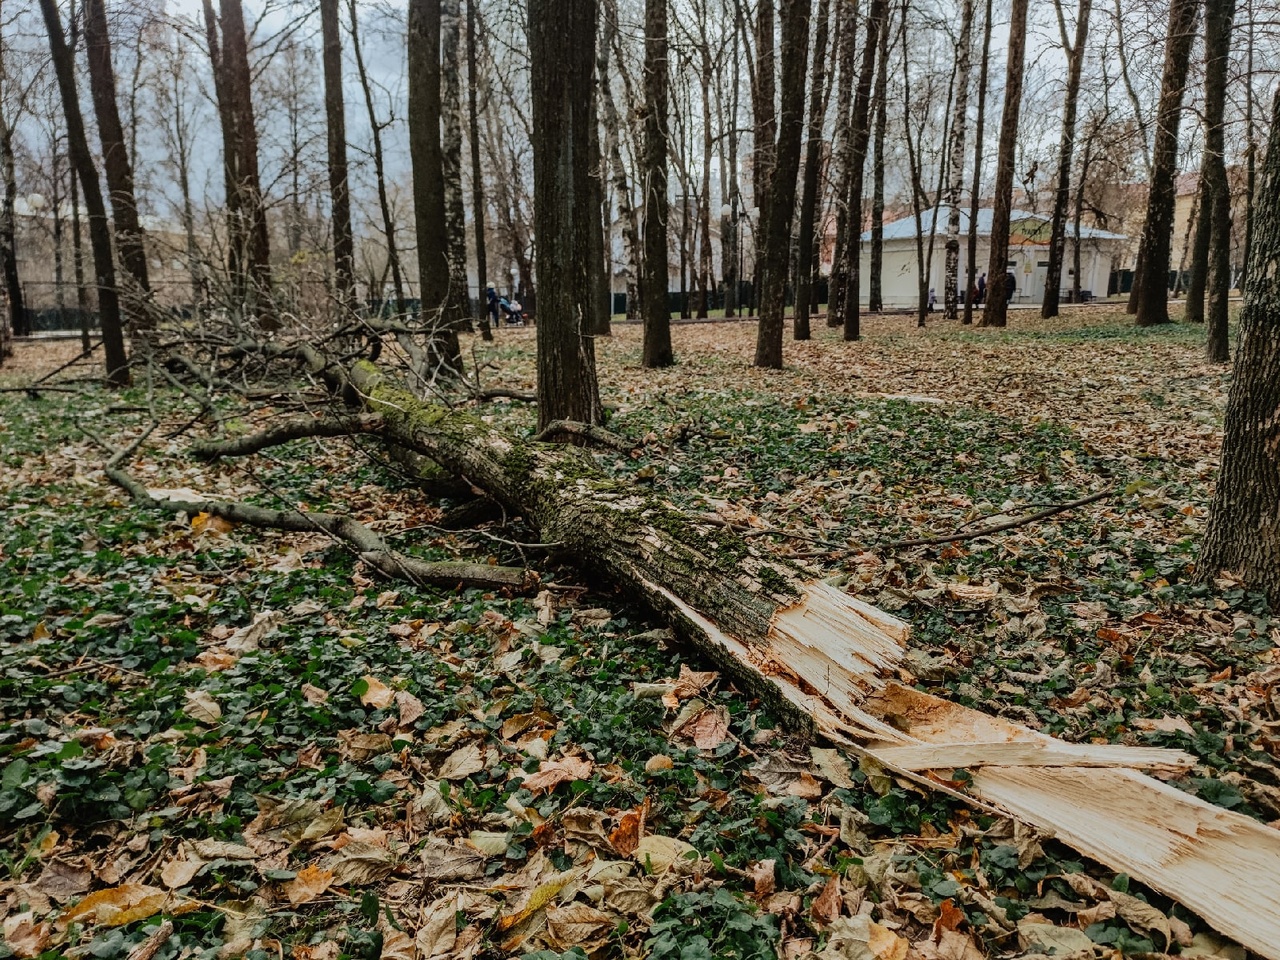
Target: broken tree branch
column 586, row 431
column 999, row 527
column 295, row 428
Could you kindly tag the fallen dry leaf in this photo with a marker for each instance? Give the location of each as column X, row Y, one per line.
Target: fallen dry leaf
column 462, row 763
column 377, row 694
column 826, row 906
column 552, row 773
column 202, row 707
column 764, row 877
column 360, row 863
column 116, row 906
column 310, row 882
column 707, row 729
column 579, row 925
column 626, row 836
column 26, row 936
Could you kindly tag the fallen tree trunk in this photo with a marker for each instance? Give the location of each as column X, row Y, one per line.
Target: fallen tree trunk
column 829, row 663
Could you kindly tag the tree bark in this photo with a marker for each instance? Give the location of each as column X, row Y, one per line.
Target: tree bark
column 654, row 279
column 16, row 323
column 459, row 311
column 1243, row 534
column 562, row 44
column 810, row 200
column 842, row 141
column 1149, row 298
column 780, row 211
column 1217, row 43
column 379, row 165
column 951, row 279
column 877, row 22
column 997, row 293
column 975, row 193
column 875, row 284
column 336, row 130
column 116, row 164
column 249, row 249
column 1066, row 147
column 477, row 177
column 631, row 245
column 427, row 159
column 99, row 231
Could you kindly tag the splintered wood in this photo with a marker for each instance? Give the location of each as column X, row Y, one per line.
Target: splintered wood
column 836, row 658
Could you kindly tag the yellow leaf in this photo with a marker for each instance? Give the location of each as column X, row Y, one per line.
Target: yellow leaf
column 540, row 897
column 116, row 906
column 308, row 884
column 214, row 526
column 41, row 632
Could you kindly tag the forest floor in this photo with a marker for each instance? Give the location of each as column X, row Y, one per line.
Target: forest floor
column 218, row 741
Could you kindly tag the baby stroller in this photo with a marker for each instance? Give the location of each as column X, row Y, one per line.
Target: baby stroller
column 513, row 311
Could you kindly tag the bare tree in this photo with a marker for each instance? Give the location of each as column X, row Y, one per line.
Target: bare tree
column 842, row 141
column 99, row 231
column 1243, row 534
column 459, row 306
column 875, row 260
column 1149, row 298
column 997, row 290
column 951, row 278
column 562, row 44
column 810, row 201
column 477, row 179
column 15, row 323
column 248, row 246
column 653, row 175
column 336, row 127
column 115, row 157
column 975, row 192
column 1217, row 191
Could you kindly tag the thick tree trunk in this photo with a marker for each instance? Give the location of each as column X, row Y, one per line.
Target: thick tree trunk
column 810, row 200
column 842, row 140
column 16, row 322
column 428, row 182
column 975, row 192
column 617, row 169
column 598, row 263
column 115, row 157
column 459, row 311
column 951, row 276
column 379, row 165
column 877, row 22
column 336, row 129
column 1066, row 147
column 1150, row 296
column 1217, row 43
column 996, row 311
column 653, row 283
column 780, row 210
column 1202, row 229
column 562, row 44
column 875, row 283
column 1243, row 534
column 477, row 177
column 99, row 231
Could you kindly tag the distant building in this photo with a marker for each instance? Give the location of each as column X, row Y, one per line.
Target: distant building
column 1028, row 257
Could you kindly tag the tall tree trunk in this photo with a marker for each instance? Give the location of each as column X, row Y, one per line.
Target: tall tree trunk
column 1139, row 118
column 77, row 257
column 765, row 95
column 99, row 231
column 1202, row 230
column 598, row 263
column 379, row 163
column 875, row 284
column 562, row 45
column 1217, row 48
column 877, row 21
column 427, row 157
column 16, row 323
column 249, row 250
column 459, row 310
column 1250, row 148
column 115, row 159
column 336, row 127
column 1149, row 298
column 997, row 292
column 951, row 280
column 975, row 193
column 781, row 208
column 842, row 141
column 1066, row 147
column 1243, row 534
column 617, row 169
column 810, row 201
column 705, row 257
column 653, row 284
column 477, row 178
column 733, row 248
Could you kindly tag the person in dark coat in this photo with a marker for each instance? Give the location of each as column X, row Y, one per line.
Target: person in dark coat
column 982, row 290
column 491, row 295
column 1010, row 288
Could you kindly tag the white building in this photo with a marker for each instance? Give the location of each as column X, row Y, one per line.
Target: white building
column 1028, row 257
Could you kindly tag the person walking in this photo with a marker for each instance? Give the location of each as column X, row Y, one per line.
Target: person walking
column 982, row 290
column 491, row 296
